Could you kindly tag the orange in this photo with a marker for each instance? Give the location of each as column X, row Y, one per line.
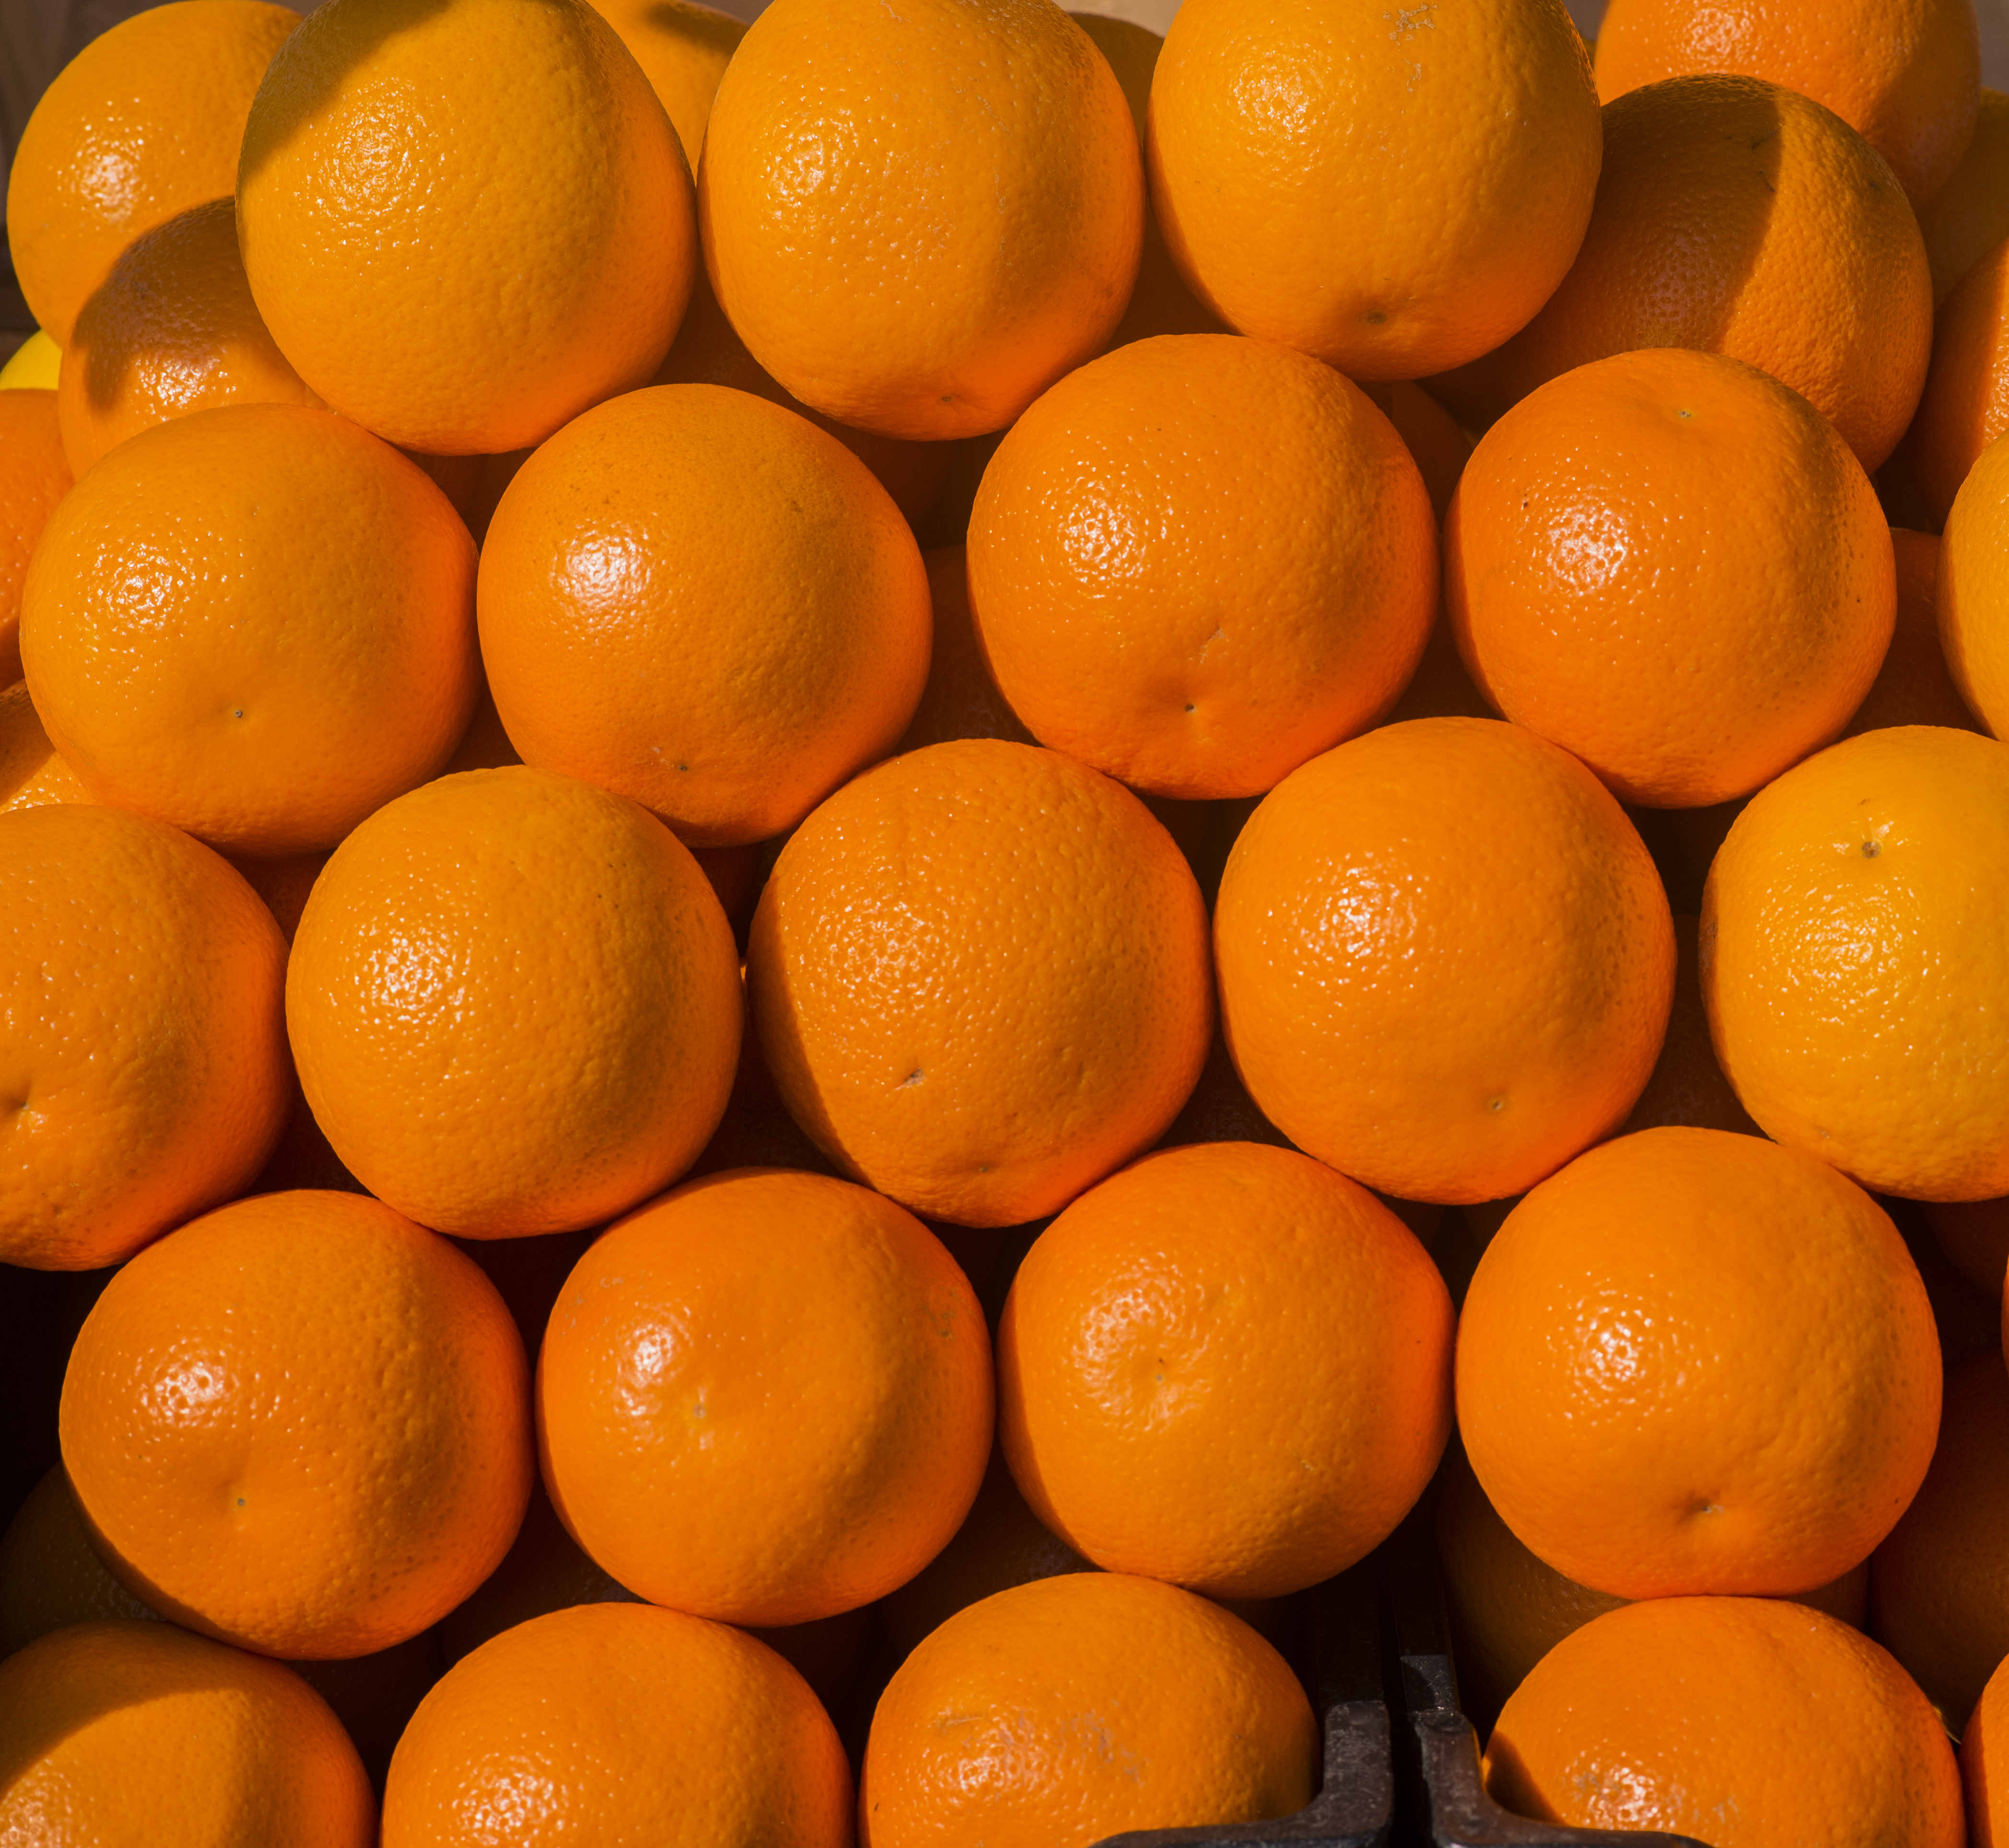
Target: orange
column 514, row 1004
column 1904, row 74
column 1974, row 1234
column 1738, row 218
column 1688, row 1086
column 467, row 222
column 1855, row 952
column 615, row 1722
column 1148, row 604
column 1671, row 565
column 925, row 268
column 1001, row 1544
column 1058, row 1712
column 1981, row 1764
column 1914, row 686
column 707, row 351
column 144, row 1076
column 960, row 700
column 255, row 623
column 1742, row 1721
column 1227, row 1366
column 1939, row 1586
column 143, row 123
column 950, row 1003
column 1965, row 406
column 170, row 329
column 697, row 599
column 1385, row 1029
column 1508, row 1610
column 34, row 476
column 116, row 1733
column 1969, row 215
column 1392, row 193
column 1971, row 589
column 683, row 49
column 1694, row 1407
column 757, row 1454
column 300, row 1423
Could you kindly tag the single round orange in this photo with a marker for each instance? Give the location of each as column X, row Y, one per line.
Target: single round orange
column 1904, row 74
column 143, row 123
column 1146, row 602
column 1939, row 1585
column 144, row 1076
column 1741, row 1721
column 1671, row 565
column 1074, row 1707
column 1693, row 1407
column 950, row 1001
column 611, row 1722
column 1392, row 193
column 1227, row 1366
column 122, row 1731
column 1971, row 589
column 1966, row 406
column 1913, row 686
column 1855, row 960
column 172, row 329
column 683, row 49
column 1509, row 1609
column 756, row 1453
column 514, row 1004
column 926, row 267
column 695, row 598
column 1969, row 216
column 464, row 223
column 1371, row 1018
column 255, row 623
column 1736, row 217
column 1982, row 1763
column 301, row 1424
column 34, row 476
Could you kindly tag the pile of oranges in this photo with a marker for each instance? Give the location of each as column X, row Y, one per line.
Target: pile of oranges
column 851, row 871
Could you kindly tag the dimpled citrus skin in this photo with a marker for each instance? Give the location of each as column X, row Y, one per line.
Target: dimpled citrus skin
column 113, row 1732
column 1982, row 1768
column 924, row 269
column 1225, row 1366
column 464, row 222
column 1971, row 590
column 1671, row 565
column 255, row 623
column 1152, row 601
column 1393, row 192
column 1939, row 1585
column 144, row 1073
column 683, row 49
column 513, row 1004
column 1739, row 1394
column 1904, row 74
column 300, row 1423
column 1378, row 1024
column 980, row 976
column 1969, row 216
column 619, row 1723
column 760, row 1454
column 1855, row 957
column 1737, row 217
column 34, row 475
column 1058, row 1712
column 1965, row 406
column 143, row 123
column 1742, row 1722
column 172, row 329
column 699, row 600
